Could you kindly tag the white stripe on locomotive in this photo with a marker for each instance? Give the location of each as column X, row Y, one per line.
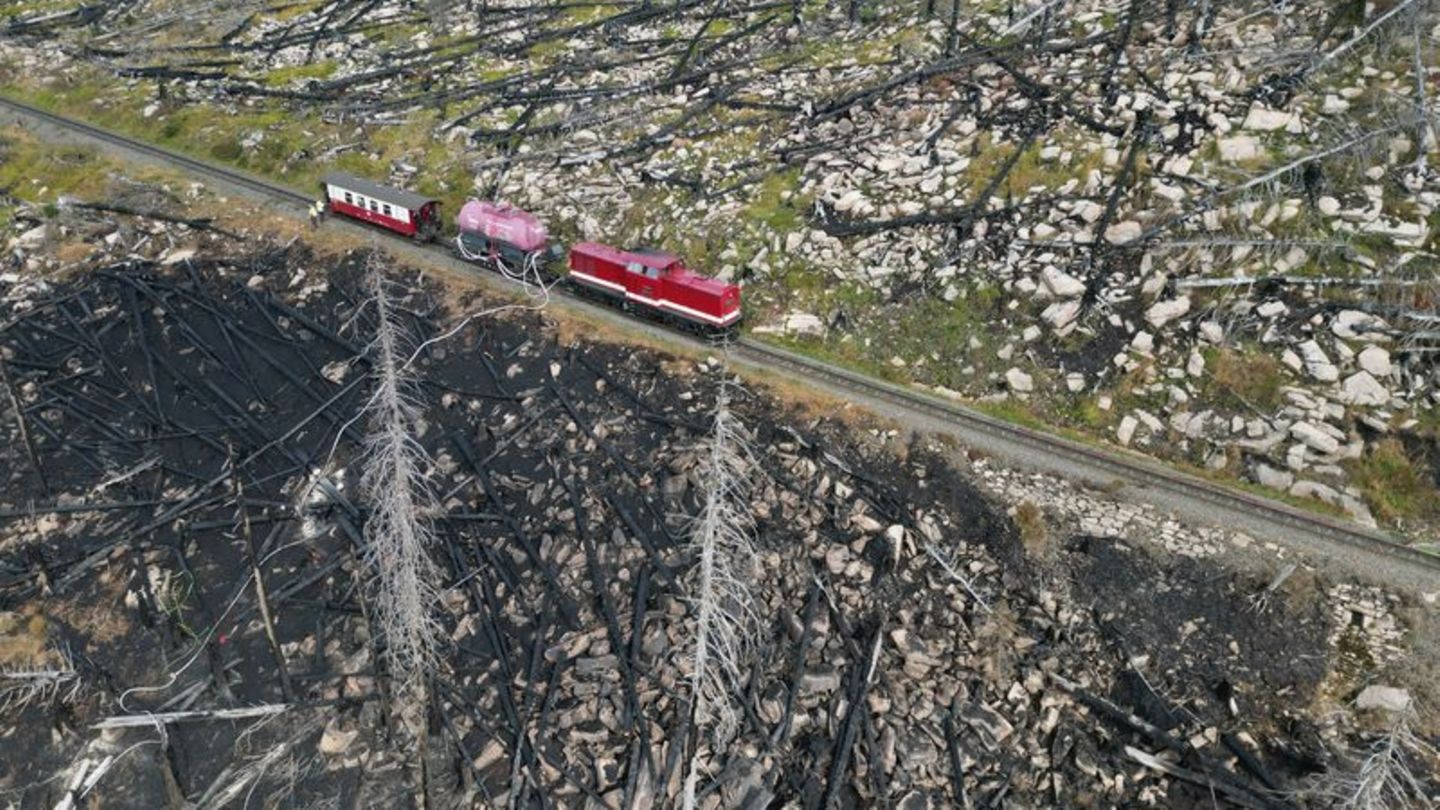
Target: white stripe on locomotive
column 660, row 303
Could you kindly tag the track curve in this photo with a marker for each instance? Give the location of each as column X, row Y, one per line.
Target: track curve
column 1341, row 547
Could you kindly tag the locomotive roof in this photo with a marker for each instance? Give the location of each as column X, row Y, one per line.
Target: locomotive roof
column 389, row 194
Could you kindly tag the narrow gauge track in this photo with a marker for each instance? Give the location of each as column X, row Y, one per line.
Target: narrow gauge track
column 1345, row 547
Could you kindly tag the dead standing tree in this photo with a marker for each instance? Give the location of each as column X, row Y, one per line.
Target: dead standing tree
column 398, row 533
column 1387, row 775
column 722, row 595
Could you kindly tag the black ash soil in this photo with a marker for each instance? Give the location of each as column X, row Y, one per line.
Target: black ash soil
column 156, row 382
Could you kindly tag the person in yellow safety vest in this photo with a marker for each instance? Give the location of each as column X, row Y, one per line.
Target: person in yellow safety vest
column 317, row 212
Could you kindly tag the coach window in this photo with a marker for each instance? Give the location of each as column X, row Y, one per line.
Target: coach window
column 387, row 210
column 348, row 199
column 374, row 207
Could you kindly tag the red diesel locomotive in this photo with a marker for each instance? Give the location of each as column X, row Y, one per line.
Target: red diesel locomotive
column 516, row 242
column 656, row 282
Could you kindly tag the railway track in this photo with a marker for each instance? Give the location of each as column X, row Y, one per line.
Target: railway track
column 1341, row 547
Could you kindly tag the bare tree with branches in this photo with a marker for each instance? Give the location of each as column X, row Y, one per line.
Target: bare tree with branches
column 726, row 620
column 1387, row 775
column 399, row 533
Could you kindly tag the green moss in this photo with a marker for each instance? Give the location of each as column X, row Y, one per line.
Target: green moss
column 280, row 77
column 292, row 10
column 579, row 15
column 770, row 206
column 228, row 151
column 548, row 48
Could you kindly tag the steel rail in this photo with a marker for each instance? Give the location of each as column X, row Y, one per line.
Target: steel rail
column 1131, row 469
column 960, row 419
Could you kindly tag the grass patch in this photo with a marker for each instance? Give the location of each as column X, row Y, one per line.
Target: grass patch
column 290, row 11
column 40, row 174
column 769, row 205
column 1394, row 487
column 280, row 77
column 1247, row 378
column 1034, row 535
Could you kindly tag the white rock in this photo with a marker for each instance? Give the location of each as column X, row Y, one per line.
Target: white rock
column 175, row 256
column 1090, row 211
column 1361, row 388
column 1195, row 366
column 1388, row 698
column 1351, row 323
column 1334, row 105
column 337, row 738
column 1126, row 431
column 1295, row 457
column 1075, row 382
column 804, row 323
column 850, row 200
column 1149, row 420
column 1375, row 360
column 1317, row 363
column 31, row 239
column 1271, row 309
column 1268, row 476
column 1329, row 206
column 1122, row 232
column 1061, row 284
column 1152, row 285
column 1143, row 342
column 1163, row 312
column 1061, row 313
column 1405, row 233
column 1238, row 148
column 1174, row 194
column 150, row 109
column 1212, row 331
column 1316, row 490
column 1019, row 382
column 1262, row 119
column 1314, row 437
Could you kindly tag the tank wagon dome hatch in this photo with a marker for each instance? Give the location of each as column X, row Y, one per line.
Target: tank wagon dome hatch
column 505, row 223
column 400, row 198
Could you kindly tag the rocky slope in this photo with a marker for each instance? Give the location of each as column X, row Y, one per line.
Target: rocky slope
column 1205, row 230
column 920, row 648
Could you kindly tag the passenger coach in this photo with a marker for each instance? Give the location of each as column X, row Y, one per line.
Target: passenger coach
column 394, row 209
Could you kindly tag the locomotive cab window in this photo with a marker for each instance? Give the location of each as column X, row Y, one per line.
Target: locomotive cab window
column 635, row 267
column 652, row 272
